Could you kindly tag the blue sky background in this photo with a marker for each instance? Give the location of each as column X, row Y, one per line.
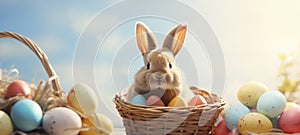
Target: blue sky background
column 251, row 34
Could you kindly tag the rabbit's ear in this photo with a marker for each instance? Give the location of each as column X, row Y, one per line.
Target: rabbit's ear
column 145, row 39
column 175, row 39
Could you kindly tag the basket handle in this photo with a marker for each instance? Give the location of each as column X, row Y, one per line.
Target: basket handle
column 40, row 54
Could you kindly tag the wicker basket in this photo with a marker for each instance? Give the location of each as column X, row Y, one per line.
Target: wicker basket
column 48, row 95
column 146, row 120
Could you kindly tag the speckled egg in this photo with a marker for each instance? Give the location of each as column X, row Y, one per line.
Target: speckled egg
column 254, row 123
column 138, row 100
column 289, row 121
column 61, row 121
column 233, row 114
column 271, row 104
column 249, row 93
column 26, row 115
column 6, row 127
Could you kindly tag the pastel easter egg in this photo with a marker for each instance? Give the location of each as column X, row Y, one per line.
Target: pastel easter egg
column 26, row 115
column 83, row 98
column 6, row 126
column 254, row 123
column 154, row 101
column 138, row 100
column 61, row 121
column 289, row 121
column 177, row 102
column 250, row 92
column 222, row 129
column 99, row 125
column 18, row 87
column 290, row 105
column 197, row 100
column 233, row 114
column 271, row 104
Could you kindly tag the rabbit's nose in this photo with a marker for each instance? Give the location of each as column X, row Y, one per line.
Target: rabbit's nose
column 159, row 76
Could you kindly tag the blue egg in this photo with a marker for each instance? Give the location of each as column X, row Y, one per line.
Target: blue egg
column 271, row 104
column 26, row 115
column 234, row 113
column 138, row 100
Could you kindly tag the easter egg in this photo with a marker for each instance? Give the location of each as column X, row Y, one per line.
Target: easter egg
column 177, row 102
column 103, row 127
column 6, row 127
column 254, row 123
column 138, row 100
column 197, row 100
column 271, row 104
column 61, row 121
column 26, row 115
column 18, row 87
column 222, row 129
column 289, row 121
column 290, row 105
column 83, row 99
column 154, row 101
column 250, row 92
column 233, row 114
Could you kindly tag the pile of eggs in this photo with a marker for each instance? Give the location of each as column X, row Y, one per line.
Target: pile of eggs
column 260, row 110
column 177, row 101
column 26, row 115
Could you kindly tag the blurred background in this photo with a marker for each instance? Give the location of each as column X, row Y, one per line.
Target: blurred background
column 251, row 34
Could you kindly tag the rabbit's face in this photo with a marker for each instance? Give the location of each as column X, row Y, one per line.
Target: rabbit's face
column 160, row 71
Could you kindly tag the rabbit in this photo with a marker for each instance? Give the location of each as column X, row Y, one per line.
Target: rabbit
column 159, row 76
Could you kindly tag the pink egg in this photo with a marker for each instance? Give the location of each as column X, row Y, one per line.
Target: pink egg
column 154, row 101
column 18, row 87
column 197, row 100
column 289, row 121
column 222, row 129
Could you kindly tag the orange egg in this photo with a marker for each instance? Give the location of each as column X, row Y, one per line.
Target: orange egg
column 197, row 100
column 154, row 101
column 177, row 102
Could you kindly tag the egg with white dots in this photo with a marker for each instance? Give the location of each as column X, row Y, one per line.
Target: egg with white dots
column 271, row 104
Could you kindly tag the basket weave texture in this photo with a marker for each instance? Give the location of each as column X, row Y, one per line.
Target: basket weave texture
column 47, row 94
column 152, row 120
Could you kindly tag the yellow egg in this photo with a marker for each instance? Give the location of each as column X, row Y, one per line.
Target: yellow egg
column 6, row 127
column 177, row 102
column 97, row 129
column 250, row 92
column 290, row 105
column 254, row 123
column 83, row 99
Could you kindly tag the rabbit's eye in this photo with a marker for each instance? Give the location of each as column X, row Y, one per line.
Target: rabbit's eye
column 148, row 65
column 170, row 65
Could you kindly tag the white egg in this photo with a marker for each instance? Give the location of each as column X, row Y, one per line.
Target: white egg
column 61, row 121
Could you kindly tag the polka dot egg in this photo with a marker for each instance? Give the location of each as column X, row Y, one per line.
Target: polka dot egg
column 254, row 123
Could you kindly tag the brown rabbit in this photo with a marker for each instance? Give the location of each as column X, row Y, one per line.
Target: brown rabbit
column 159, row 76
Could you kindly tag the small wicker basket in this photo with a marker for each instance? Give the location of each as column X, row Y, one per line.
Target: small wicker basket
column 150, row 120
column 48, row 95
